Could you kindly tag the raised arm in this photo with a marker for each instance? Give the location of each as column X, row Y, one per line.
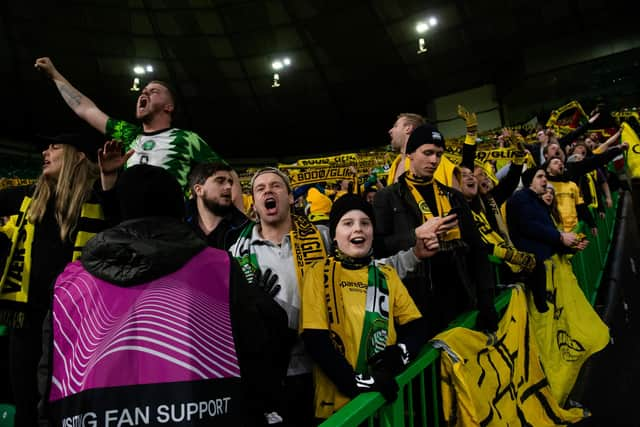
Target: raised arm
column 85, row 108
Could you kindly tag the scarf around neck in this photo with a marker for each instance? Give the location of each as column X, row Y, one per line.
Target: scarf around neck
column 442, row 202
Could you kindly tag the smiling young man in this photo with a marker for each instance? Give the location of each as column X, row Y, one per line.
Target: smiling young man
column 155, row 142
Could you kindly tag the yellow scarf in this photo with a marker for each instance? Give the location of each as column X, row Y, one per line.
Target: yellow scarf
column 306, row 243
column 15, row 282
column 442, row 202
column 493, row 238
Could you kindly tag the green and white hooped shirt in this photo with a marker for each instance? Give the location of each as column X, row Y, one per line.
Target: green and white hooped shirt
column 172, row 149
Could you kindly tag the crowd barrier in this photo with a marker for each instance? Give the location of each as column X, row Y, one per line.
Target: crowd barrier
column 418, row 402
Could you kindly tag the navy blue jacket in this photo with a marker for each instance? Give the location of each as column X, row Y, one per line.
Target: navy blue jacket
column 530, row 225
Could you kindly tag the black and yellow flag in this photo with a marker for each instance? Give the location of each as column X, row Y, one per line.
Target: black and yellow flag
column 498, row 380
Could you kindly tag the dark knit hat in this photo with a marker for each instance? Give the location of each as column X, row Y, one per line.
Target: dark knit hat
column 425, row 134
column 145, row 190
column 85, row 142
column 527, row 176
column 345, row 204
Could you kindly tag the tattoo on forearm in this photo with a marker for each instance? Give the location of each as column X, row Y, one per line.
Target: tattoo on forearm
column 71, row 96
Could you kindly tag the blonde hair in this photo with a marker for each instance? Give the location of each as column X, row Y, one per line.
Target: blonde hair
column 72, row 189
column 415, row 120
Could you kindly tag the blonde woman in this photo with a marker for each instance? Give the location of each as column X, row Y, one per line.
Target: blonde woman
column 49, row 224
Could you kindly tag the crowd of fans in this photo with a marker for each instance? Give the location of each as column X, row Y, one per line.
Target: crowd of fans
column 284, row 311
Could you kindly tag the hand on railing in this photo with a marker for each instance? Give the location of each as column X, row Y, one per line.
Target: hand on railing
column 383, row 382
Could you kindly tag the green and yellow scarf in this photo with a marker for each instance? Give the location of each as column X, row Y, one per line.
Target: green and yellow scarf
column 306, row 244
column 376, row 319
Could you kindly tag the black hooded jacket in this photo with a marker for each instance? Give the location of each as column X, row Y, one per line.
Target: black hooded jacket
column 140, row 250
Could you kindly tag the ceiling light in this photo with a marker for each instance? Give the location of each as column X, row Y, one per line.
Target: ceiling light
column 149, row 69
column 138, row 69
column 433, row 21
column 278, row 65
column 421, row 27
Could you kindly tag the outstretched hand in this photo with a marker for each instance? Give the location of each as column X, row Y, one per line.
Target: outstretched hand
column 470, row 119
column 110, row 157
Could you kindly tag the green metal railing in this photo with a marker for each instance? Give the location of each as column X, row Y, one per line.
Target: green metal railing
column 418, row 403
column 418, row 406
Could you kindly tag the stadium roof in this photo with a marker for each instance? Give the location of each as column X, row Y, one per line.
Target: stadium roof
column 354, row 64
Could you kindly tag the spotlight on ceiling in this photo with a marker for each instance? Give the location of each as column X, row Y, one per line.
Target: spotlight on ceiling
column 143, row 69
column 421, row 28
column 277, row 65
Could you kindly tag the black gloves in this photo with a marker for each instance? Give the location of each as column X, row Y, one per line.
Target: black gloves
column 384, row 366
column 267, row 281
column 392, row 359
column 383, row 382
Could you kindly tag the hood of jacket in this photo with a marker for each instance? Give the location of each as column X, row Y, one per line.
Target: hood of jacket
column 140, row 250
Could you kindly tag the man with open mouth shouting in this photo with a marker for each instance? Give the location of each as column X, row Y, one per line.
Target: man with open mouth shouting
column 155, row 142
column 283, row 246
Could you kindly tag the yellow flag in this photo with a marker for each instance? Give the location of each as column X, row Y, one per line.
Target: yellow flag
column 633, row 155
column 569, row 332
column 498, row 381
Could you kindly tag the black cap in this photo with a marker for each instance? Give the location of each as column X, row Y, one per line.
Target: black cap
column 145, row 190
column 425, row 134
column 345, row 204
column 83, row 141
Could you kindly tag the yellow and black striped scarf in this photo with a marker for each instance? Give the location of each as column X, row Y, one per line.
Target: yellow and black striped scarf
column 442, row 202
column 16, row 274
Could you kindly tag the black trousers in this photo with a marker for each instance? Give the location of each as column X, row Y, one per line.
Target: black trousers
column 297, row 403
column 25, row 349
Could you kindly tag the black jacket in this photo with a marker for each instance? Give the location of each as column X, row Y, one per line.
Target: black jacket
column 449, row 283
column 227, row 231
column 141, row 250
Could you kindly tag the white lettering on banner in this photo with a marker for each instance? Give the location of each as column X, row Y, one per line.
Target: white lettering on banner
column 189, row 411
column 184, row 412
column 126, row 417
column 90, row 419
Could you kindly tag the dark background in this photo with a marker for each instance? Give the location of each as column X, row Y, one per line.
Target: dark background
column 355, row 65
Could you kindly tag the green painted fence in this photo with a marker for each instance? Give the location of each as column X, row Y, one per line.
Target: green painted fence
column 417, row 403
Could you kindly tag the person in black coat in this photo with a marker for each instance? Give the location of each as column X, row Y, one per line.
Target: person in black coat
column 459, row 277
column 151, row 317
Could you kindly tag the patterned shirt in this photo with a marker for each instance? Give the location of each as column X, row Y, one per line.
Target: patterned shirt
column 172, row 149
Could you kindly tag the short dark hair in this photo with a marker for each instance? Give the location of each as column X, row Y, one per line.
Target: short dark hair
column 201, row 171
column 172, row 93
